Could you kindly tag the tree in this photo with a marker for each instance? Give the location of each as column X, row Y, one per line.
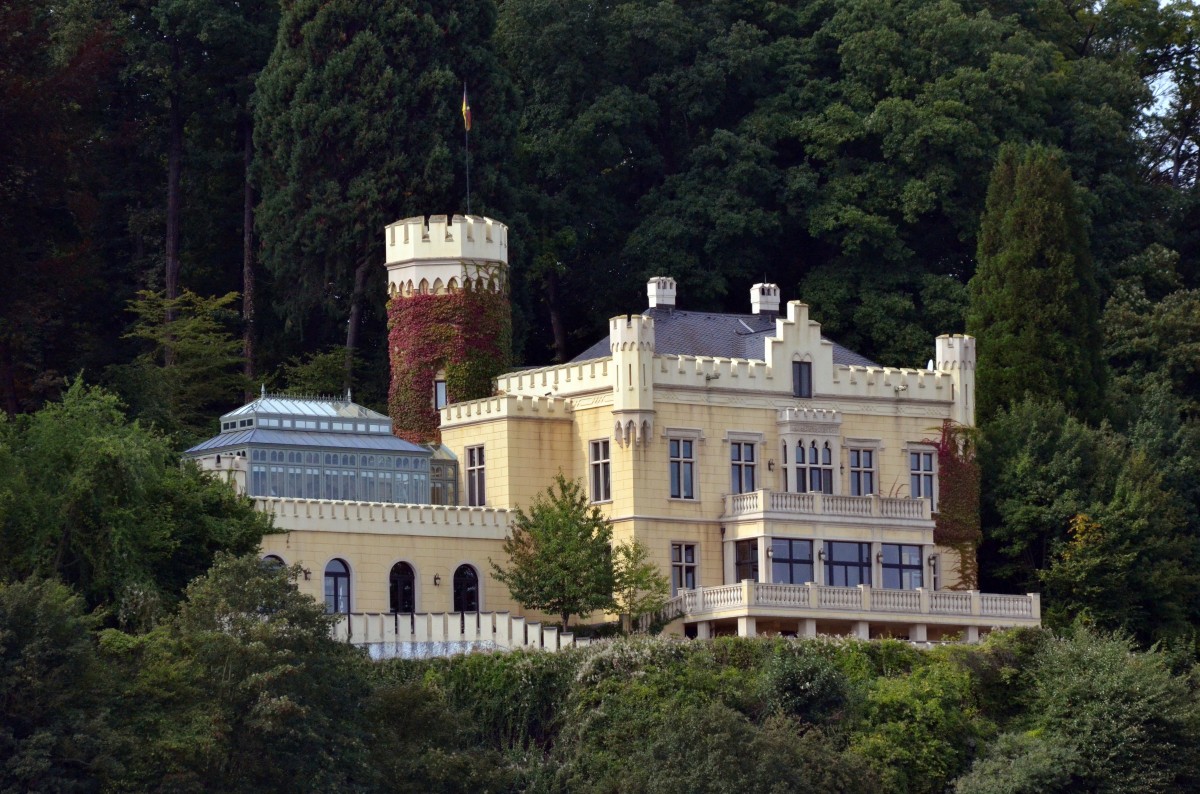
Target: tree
column 357, row 124
column 190, row 373
column 641, row 588
column 55, row 728
column 1034, row 299
column 104, row 505
column 559, row 554
column 258, row 695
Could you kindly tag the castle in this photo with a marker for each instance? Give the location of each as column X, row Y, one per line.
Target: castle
column 785, row 483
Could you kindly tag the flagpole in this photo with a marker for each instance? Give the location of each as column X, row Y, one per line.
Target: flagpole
column 467, row 143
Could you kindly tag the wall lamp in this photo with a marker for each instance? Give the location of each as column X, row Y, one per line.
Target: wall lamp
column 437, row 579
column 771, row 464
column 879, row 556
column 307, row 574
column 820, row 554
column 770, row 551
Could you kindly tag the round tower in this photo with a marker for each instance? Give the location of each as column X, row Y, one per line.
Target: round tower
column 449, row 321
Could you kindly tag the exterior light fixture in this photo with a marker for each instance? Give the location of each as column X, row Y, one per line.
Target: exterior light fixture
column 879, row 556
column 437, row 579
column 771, row 464
column 307, row 574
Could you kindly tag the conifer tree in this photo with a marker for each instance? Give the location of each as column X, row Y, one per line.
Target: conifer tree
column 1035, row 305
column 357, row 124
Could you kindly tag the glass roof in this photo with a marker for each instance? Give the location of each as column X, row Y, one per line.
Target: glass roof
column 299, row 438
column 286, row 405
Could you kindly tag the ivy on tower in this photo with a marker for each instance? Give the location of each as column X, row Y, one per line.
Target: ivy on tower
column 448, row 316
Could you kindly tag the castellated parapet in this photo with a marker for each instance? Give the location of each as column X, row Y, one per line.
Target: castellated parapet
column 441, row 256
column 956, row 357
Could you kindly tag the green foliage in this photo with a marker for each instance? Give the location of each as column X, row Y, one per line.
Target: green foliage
column 55, row 732
column 559, row 554
column 640, row 587
column 245, row 689
column 1102, row 718
column 192, row 371
column 805, row 685
column 1034, row 299
column 105, row 506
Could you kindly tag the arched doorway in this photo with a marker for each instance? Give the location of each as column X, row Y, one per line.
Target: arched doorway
column 402, row 588
column 337, row 587
column 466, row 589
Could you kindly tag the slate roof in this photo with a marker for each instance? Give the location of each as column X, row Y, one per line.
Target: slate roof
column 381, row 442
column 684, row 333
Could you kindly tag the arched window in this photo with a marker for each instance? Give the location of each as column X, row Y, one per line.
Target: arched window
column 466, row 589
column 337, row 587
column 402, row 588
column 273, row 562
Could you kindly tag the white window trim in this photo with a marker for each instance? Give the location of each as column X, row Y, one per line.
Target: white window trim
column 917, row 446
column 607, row 467
column 695, row 565
column 875, row 446
column 696, row 436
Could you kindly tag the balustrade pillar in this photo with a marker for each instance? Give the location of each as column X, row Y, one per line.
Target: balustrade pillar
column 746, row 627
column 976, row 606
column 1036, row 606
column 865, row 594
column 923, row 600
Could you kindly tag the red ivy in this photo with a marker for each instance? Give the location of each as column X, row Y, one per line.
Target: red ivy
column 468, row 334
column 957, row 524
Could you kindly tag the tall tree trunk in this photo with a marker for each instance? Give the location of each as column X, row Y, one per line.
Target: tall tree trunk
column 556, row 323
column 248, row 329
column 356, row 301
column 174, row 167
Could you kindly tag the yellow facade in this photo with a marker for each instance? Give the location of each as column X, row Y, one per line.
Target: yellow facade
column 672, row 420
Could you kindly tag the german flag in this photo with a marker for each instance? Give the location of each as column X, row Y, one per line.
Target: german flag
column 466, row 109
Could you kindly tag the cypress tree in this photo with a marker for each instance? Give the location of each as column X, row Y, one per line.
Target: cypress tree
column 1035, row 305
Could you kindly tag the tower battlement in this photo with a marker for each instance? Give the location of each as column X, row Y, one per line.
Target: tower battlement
column 631, row 332
column 444, row 256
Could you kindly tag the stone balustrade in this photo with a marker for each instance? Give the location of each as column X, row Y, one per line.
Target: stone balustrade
column 389, row 634
column 805, row 600
column 775, row 504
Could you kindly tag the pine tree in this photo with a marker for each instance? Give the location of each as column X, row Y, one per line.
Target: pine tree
column 1035, row 305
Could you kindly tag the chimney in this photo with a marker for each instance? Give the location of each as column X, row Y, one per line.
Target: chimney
column 764, row 299
column 661, row 291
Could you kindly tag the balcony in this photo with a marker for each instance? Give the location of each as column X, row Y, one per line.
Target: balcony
column 783, row 605
column 768, row 504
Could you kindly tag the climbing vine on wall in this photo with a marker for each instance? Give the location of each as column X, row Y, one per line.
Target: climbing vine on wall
column 957, row 524
column 467, row 334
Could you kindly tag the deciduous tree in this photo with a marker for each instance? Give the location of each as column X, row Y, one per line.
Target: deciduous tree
column 559, row 554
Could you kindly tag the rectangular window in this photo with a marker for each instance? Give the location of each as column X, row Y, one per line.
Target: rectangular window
column 601, row 484
column 813, row 466
column 935, row 572
column 921, row 476
column 901, row 566
column 847, row 564
column 862, row 472
column 791, row 561
column 742, row 463
column 439, row 394
column 746, row 560
column 802, row 379
column 476, row 496
column 683, row 567
column 680, row 451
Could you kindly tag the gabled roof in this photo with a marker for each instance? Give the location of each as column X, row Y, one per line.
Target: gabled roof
column 683, row 333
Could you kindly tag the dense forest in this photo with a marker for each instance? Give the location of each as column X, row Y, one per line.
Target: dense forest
column 192, row 199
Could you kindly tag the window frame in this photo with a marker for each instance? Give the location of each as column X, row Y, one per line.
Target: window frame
column 802, row 383
column 395, row 597
column 743, row 475
column 862, row 565
column 682, row 568
column 925, row 478
column 457, row 597
column 681, row 468
column 901, row 567
column 341, row 581
column 860, row 470
column 600, row 468
column 476, row 475
column 744, row 562
column 791, row 560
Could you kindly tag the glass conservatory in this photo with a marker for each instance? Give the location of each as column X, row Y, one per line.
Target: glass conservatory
column 316, row 448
